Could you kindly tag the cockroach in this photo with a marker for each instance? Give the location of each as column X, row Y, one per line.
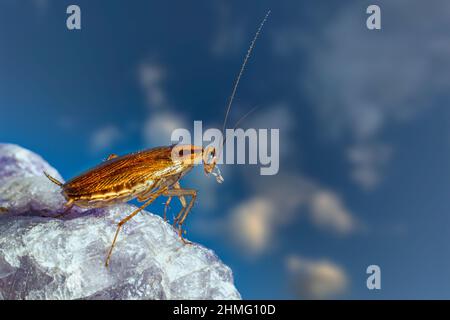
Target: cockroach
column 148, row 174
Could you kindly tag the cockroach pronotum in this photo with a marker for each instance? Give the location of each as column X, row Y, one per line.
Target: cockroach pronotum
column 147, row 174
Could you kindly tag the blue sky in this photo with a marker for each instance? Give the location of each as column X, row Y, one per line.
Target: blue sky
column 363, row 119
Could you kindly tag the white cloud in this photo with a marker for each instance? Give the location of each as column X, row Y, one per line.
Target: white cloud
column 319, row 279
column 368, row 162
column 162, row 118
column 328, row 211
column 151, row 78
column 159, row 126
column 41, row 5
column 375, row 79
column 256, row 222
column 275, row 116
column 229, row 36
column 104, row 138
column 251, row 222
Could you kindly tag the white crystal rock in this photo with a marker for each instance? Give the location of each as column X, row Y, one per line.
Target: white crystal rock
column 48, row 258
column 23, row 187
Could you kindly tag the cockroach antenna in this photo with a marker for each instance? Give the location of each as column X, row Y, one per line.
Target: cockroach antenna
column 236, row 83
column 55, row 181
column 245, row 116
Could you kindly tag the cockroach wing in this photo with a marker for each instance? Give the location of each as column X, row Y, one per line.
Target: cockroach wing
column 124, row 172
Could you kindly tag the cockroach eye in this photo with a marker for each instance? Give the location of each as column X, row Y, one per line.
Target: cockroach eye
column 180, row 153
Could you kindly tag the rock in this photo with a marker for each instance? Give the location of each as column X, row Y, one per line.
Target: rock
column 23, row 187
column 16, row 162
column 49, row 258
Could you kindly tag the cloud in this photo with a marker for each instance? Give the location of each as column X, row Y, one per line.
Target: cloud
column 373, row 79
column 275, row 116
column 159, row 126
column 41, row 5
column 369, row 80
column 319, row 279
column 251, row 222
column 162, row 117
column 328, row 211
column 151, row 78
column 368, row 162
column 229, row 36
column 256, row 222
column 104, row 138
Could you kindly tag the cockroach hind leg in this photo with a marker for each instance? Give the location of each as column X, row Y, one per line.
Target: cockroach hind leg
column 67, row 207
column 69, row 204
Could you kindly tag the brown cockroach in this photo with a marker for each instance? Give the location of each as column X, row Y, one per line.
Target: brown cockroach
column 147, row 174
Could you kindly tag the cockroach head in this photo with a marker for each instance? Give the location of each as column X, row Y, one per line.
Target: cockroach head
column 190, row 155
column 187, row 154
column 210, row 163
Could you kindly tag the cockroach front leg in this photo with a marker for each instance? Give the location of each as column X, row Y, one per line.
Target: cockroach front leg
column 111, row 156
column 183, row 202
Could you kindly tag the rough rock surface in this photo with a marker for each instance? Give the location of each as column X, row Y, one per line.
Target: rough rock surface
column 48, row 258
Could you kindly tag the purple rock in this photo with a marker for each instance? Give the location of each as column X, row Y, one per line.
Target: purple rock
column 24, row 189
column 16, row 162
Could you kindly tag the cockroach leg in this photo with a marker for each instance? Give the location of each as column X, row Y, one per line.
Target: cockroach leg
column 182, row 193
column 191, row 204
column 165, row 208
column 179, row 215
column 111, row 156
column 182, row 199
column 125, row 220
column 177, row 186
column 187, row 211
column 67, row 207
column 180, row 234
